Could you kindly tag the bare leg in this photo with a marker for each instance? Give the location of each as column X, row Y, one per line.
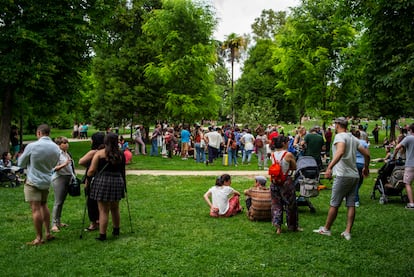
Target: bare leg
column 103, row 216
column 350, row 219
column 46, row 218
column 37, row 218
column 116, row 216
column 409, row 191
column 332, row 213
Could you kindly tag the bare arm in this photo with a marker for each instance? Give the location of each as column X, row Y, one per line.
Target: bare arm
column 87, row 158
column 207, row 198
column 367, row 158
column 95, row 162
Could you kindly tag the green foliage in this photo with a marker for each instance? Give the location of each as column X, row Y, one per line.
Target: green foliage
column 44, row 47
column 308, row 54
column 182, row 66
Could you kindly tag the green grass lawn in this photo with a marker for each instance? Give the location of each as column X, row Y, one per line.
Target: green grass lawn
column 173, row 235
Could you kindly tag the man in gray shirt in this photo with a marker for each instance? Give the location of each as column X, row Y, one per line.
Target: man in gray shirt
column 39, row 158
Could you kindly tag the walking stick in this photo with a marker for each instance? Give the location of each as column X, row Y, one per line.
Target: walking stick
column 129, row 211
column 83, row 218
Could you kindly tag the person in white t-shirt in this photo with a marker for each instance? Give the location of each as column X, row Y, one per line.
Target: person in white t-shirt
column 248, row 142
column 221, row 204
column 344, row 167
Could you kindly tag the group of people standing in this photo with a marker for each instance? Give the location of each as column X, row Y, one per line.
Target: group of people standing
column 49, row 162
column 80, row 130
column 283, row 197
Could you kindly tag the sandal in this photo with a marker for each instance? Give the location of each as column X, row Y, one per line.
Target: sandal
column 34, row 242
column 50, row 237
column 90, row 229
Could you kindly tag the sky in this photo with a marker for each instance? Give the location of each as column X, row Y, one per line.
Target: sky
column 236, row 16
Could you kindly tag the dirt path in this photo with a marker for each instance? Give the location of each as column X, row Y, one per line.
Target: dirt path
column 189, row 173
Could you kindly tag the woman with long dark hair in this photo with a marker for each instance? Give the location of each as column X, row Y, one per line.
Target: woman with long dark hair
column 108, row 186
column 92, row 204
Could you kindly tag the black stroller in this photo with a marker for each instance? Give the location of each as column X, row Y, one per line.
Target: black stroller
column 306, row 181
column 390, row 181
column 8, row 177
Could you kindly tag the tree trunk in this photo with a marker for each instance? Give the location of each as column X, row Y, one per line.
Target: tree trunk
column 393, row 123
column 6, row 117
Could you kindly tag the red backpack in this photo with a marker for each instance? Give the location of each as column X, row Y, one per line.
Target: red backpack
column 275, row 171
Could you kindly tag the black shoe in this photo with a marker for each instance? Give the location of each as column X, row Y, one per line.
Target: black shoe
column 115, row 232
column 102, row 237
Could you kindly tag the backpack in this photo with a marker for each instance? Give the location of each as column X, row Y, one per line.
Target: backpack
column 258, row 142
column 233, row 144
column 275, row 171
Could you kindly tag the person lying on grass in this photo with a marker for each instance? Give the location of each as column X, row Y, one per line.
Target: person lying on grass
column 221, row 205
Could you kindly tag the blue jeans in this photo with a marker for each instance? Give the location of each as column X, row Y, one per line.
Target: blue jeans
column 360, row 167
column 232, row 155
column 200, row 153
column 154, row 147
column 247, row 155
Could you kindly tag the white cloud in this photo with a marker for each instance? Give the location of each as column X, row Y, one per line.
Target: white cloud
column 237, row 16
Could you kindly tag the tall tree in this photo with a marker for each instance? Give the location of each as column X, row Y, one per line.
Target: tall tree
column 232, row 49
column 181, row 34
column 268, row 24
column 309, row 55
column 390, row 54
column 43, row 45
column 118, row 68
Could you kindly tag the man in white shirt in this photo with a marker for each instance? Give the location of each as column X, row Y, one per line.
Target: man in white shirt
column 213, row 140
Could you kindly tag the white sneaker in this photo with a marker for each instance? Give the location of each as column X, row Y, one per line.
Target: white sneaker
column 346, row 235
column 410, row 206
column 322, row 231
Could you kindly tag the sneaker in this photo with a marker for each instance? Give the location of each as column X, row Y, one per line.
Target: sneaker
column 410, row 206
column 346, row 235
column 357, row 204
column 322, row 231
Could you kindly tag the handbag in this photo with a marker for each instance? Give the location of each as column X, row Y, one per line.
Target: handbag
column 74, row 188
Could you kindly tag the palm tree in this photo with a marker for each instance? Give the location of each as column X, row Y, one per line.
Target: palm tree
column 232, row 48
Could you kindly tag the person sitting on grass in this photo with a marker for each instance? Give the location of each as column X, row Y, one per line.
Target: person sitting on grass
column 258, row 200
column 221, row 205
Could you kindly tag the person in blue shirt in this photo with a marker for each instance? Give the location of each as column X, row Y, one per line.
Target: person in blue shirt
column 360, row 161
column 185, row 142
column 39, row 158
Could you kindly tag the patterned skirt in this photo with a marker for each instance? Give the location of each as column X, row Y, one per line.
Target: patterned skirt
column 108, row 186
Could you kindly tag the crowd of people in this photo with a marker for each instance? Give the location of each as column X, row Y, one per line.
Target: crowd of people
column 49, row 163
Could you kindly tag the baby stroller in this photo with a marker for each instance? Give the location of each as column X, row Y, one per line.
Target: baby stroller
column 306, row 181
column 8, row 177
column 390, row 181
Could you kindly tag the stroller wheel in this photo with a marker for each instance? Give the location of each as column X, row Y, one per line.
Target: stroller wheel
column 381, row 200
column 312, row 210
column 373, row 196
column 404, row 199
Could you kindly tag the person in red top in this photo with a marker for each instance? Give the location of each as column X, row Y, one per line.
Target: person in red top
column 273, row 134
column 328, row 140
